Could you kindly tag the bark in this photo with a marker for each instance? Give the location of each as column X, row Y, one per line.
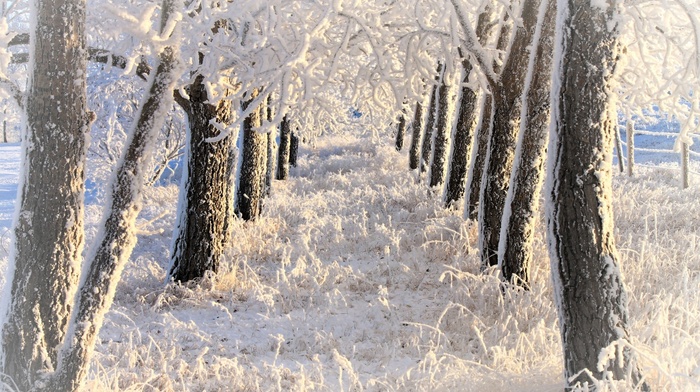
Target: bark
column 400, row 132
column 466, row 124
column 293, row 149
column 253, row 165
column 427, row 146
column 483, row 135
column 417, row 127
column 464, row 129
column 518, row 225
column 201, row 233
column 590, row 296
column 507, row 99
column 283, row 151
column 443, row 129
column 479, row 151
column 118, row 237
column 49, row 229
column 271, row 147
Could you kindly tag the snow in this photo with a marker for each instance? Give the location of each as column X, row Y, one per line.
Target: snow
column 347, row 283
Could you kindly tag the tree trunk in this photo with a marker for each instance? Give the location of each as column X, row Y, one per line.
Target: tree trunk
column 293, row 149
column 427, row 146
column 466, row 122
column 590, row 296
column 253, row 165
column 479, row 151
column 400, row 132
column 417, row 127
column 117, row 238
column 271, row 147
column 518, row 224
column 283, row 152
column 201, row 233
column 48, row 231
column 443, row 130
column 507, row 98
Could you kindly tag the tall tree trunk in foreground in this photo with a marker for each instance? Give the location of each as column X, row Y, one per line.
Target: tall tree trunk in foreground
column 590, row 296
column 443, row 131
column 400, row 132
column 507, row 99
column 201, row 233
column 253, row 164
column 283, row 151
column 49, row 229
column 466, row 123
column 519, row 218
column 417, row 128
column 116, row 238
column 427, row 145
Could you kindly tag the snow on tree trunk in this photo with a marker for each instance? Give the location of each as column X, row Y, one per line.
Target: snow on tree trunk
column 293, row 149
column 400, row 132
column 520, row 215
column 283, row 151
column 427, row 145
column 466, row 122
column 117, row 237
column 507, row 99
column 48, row 242
column 443, row 130
column 271, row 151
column 201, row 232
column 590, row 296
column 479, row 151
column 417, row 127
column 253, row 165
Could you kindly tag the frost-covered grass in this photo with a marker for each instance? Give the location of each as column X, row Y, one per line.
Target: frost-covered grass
column 355, row 278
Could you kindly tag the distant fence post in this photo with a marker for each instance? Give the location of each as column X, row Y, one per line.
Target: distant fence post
column 618, row 146
column 685, row 163
column 630, row 147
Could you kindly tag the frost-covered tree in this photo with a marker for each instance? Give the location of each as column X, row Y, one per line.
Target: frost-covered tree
column 590, row 295
column 55, row 355
column 400, row 132
column 284, row 148
column 427, row 143
column 507, row 103
column 416, row 133
column 206, row 189
column 443, row 129
column 48, row 232
column 520, row 215
column 249, row 192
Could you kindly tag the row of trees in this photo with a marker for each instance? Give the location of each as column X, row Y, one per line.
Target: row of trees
column 283, row 65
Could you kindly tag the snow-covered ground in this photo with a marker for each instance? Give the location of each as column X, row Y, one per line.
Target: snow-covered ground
column 355, row 278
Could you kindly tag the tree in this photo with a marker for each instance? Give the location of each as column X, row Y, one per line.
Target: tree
column 54, row 349
column 283, row 151
column 201, row 233
column 443, row 129
column 400, row 132
column 416, row 129
column 518, row 224
column 253, row 164
column 466, row 127
column 49, row 229
column 590, row 295
column 427, row 145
